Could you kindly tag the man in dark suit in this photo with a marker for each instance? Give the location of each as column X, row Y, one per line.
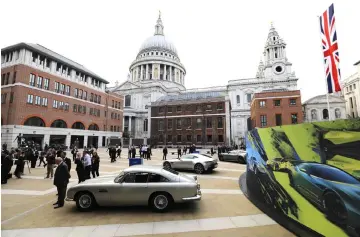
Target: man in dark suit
column 61, row 181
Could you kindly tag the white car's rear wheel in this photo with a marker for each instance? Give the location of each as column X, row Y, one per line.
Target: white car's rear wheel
column 161, row 202
column 199, row 168
column 85, row 201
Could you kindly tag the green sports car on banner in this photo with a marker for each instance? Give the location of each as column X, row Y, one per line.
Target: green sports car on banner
column 309, row 172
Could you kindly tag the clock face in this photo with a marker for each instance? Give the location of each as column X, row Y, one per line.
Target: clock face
column 278, row 68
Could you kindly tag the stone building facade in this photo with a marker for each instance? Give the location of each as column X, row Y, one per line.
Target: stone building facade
column 51, row 99
column 351, row 93
column 200, row 118
column 276, row 108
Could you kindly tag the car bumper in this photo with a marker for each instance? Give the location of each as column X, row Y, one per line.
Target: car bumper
column 189, row 199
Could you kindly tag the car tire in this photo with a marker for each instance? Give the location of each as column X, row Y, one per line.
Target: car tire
column 241, row 160
column 85, row 201
column 335, row 208
column 199, row 168
column 221, row 158
column 167, row 165
column 161, row 201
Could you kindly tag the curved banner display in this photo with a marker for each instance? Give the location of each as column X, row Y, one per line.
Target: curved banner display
column 309, row 172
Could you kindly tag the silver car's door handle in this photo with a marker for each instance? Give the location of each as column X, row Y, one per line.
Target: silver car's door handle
column 103, row 191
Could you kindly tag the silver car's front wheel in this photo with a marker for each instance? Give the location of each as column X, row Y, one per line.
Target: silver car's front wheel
column 85, row 201
column 160, row 202
column 199, row 168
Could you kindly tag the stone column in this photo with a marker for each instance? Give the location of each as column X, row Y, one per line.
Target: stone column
column 153, row 69
column 123, row 124
column 85, row 140
column 165, row 72
column 129, row 129
column 46, row 140
column 68, row 141
column 100, row 141
column 170, row 74
column 141, row 72
column 147, row 72
column 149, row 122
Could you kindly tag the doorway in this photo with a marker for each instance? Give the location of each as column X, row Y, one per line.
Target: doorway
column 92, row 141
column 79, row 140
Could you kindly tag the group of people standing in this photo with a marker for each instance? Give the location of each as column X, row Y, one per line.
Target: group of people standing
column 144, row 152
column 114, row 152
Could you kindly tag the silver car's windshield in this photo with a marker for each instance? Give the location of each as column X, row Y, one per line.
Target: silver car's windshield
column 119, row 177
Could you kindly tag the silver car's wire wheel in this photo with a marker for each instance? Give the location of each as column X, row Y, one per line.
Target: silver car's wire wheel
column 85, row 201
column 199, row 168
column 161, row 202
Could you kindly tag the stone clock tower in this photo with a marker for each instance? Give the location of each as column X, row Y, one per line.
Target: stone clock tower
column 276, row 65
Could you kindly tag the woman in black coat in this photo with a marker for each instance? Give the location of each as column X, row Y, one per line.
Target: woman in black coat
column 95, row 165
column 80, row 170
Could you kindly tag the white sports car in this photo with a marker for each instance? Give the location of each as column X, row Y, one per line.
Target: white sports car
column 196, row 162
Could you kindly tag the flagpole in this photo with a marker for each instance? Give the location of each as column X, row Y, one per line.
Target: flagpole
column 326, row 83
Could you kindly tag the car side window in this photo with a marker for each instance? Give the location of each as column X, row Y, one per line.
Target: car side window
column 139, row 177
column 188, row 157
column 156, row 178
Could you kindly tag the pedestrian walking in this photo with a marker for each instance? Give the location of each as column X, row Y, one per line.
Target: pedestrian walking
column 87, row 164
column 66, row 160
column 61, row 181
column 80, row 170
column 165, row 152
column 95, row 165
column 41, row 158
column 50, row 158
column 179, row 152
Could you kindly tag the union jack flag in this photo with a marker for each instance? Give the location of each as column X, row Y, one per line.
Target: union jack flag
column 330, row 50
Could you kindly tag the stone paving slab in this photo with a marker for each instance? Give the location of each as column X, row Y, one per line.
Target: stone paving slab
column 218, row 184
column 29, row 184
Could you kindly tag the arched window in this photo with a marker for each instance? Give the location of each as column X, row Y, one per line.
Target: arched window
column 78, row 125
column 145, row 125
column 313, row 114
column 127, row 100
column 94, row 127
column 59, row 123
column 337, row 113
column 35, row 121
column 325, row 114
column 238, row 99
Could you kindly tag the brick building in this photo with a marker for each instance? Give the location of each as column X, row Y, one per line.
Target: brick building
column 200, row 118
column 276, row 108
column 51, row 99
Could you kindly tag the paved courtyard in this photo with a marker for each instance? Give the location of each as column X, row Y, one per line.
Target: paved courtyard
column 223, row 211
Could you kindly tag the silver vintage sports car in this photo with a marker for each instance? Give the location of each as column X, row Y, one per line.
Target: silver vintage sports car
column 197, row 162
column 136, row 185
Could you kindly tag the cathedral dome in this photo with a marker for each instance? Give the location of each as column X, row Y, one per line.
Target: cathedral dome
column 160, row 42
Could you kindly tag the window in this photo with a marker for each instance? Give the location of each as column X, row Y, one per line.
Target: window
column 354, row 84
column 55, row 104
column 116, row 104
column 46, row 84
column 161, row 125
column 113, row 103
column 262, row 103
column 66, row 106
column 39, row 82
column 111, row 128
column 105, row 113
column 220, row 122
column 67, row 90
column 80, row 93
column 278, row 120
column 80, row 108
column 62, row 88
column 294, row 118
column 98, row 114
column 220, row 106
column 76, row 92
column 351, row 103
column 91, row 112
column 2, row 79
column 44, row 102
column 220, row 138
column 30, row 99
column 61, row 105
column 95, row 98
column 198, row 138
column 136, row 178
column 127, row 101
column 209, row 122
column 198, row 123
column 37, row 100
column 325, row 114
column 188, row 123
column 57, row 87
column 75, row 108
column 85, row 95
column 11, row 97
column 14, row 78
column 248, row 97
column 156, row 178
column 161, row 109
column 198, row 108
column 350, row 87
column 32, row 80
column 263, row 120
column 99, row 100
column 83, row 110
column 169, row 109
column 178, row 123
column 209, row 138
column 178, row 108
column 292, row 101
column 7, row 78
column 238, row 99
column 188, row 138
column 3, row 98
column 145, row 125
column 178, row 138
column 208, row 107
column 169, row 138
column 276, row 102
column 170, row 124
